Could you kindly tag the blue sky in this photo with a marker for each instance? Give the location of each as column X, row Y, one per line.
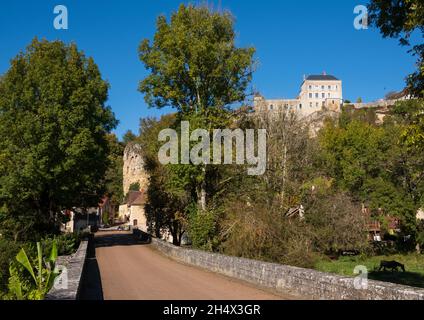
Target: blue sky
column 292, row 38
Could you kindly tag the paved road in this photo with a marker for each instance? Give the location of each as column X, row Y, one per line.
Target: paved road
column 133, row 271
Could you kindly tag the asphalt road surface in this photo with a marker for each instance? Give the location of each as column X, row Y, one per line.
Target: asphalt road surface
column 130, row 270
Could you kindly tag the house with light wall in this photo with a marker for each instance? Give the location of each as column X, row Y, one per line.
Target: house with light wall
column 317, row 93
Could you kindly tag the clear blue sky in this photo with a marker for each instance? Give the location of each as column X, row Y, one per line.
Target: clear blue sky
column 292, row 38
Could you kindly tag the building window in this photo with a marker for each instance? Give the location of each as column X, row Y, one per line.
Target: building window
column 300, row 106
column 310, row 87
column 329, row 87
column 310, row 96
column 317, row 104
column 310, row 104
column 271, row 107
column 316, row 95
column 322, row 87
column 323, row 95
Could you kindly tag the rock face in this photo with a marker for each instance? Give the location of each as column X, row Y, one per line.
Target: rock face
column 134, row 171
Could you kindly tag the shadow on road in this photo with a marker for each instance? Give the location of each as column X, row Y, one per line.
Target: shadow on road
column 91, row 285
column 112, row 239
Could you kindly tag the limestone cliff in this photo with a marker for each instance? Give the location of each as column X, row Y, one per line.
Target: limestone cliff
column 134, row 171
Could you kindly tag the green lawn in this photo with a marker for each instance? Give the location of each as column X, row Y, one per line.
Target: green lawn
column 414, row 264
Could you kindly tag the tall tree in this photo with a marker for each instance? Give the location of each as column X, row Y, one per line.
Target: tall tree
column 114, row 173
column 196, row 68
column 128, row 137
column 53, row 126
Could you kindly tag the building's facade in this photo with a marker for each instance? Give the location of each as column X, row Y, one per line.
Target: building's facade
column 132, row 212
column 317, row 92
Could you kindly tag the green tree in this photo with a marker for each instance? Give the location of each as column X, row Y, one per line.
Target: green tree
column 372, row 163
column 53, row 146
column 114, row 173
column 166, row 208
column 128, row 137
column 196, row 68
column 400, row 19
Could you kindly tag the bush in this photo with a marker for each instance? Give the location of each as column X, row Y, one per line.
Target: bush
column 8, row 251
column 337, row 223
column 259, row 231
column 67, row 244
column 203, row 230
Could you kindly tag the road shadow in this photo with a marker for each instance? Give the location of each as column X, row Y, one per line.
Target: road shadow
column 405, row 278
column 91, row 284
column 123, row 238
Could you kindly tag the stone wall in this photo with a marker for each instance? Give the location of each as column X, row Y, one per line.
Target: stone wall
column 75, row 268
column 299, row 282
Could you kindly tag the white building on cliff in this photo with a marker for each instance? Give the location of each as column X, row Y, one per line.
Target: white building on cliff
column 317, row 92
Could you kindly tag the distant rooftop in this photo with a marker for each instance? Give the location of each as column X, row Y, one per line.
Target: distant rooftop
column 321, row 77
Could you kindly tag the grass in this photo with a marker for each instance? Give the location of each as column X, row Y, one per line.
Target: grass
column 414, row 264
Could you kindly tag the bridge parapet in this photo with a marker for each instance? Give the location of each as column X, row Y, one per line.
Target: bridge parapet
column 289, row 280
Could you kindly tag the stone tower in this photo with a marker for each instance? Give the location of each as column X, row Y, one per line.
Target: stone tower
column 134, row 171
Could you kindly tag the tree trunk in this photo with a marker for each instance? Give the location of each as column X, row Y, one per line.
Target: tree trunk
column 201, row 194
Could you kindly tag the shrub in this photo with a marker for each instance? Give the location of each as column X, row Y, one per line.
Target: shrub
column 203, row 230
column 337, row 223
column 32, row 274
column 260, row 231
column 8, row 250
column 67, row 244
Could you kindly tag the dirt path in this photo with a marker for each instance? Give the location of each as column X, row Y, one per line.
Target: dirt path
column 133, row 271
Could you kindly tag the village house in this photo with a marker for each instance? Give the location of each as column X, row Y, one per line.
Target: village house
column 132, row 211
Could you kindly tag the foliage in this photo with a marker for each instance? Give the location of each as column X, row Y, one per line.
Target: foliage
column 53, row 147
column 135, row 186
column 197, row 69
column 336, row 223
column 66, row 244
column 411, row 115
column 259, row 231
column 374, row 165
column 31, row 278
column 194, row 63
column 203, row 229
column 128, row 137
column 114, row 174
column 400, row 19
column 166, row 207
column 8, row 250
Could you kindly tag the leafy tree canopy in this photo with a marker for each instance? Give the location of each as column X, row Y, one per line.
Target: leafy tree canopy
column 400, row 19
column 194, row 62
column 53, row 126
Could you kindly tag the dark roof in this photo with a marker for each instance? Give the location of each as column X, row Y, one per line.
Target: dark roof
column 321, row 77
column 136, row 198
